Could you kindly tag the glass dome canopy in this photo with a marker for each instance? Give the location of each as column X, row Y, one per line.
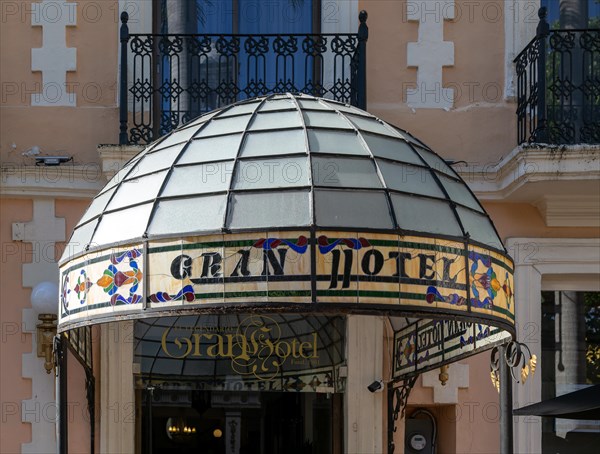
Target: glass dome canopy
column 283, row 161
column 293, row 204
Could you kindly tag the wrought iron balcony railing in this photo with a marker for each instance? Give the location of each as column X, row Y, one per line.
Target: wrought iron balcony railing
column 558, row 86
column 179, row 77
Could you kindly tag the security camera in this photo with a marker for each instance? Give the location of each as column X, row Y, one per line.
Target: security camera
column 376, row 386
column 51, row 160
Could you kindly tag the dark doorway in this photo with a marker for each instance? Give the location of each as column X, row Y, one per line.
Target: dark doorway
column 232, row 422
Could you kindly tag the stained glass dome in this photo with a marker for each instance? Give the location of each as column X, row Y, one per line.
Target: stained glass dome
column 280, row 162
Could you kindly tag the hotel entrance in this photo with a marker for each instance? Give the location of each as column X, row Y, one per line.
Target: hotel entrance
column 242, row 422
column 240, row 384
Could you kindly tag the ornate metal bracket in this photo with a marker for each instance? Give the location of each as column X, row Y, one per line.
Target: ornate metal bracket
column 516, row 355
column 398, row 393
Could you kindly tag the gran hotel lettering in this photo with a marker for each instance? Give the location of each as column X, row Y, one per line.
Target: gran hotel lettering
column 237, row 346
column 208, row 267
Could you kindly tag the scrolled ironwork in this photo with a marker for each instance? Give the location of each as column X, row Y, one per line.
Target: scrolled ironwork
column 285, row 45
column 228, row 46
column 256, row 46
column 179, row 77
column 314, row 45
column 397, row 398
column 199, row 45
column 518, row 357
column 558, row 86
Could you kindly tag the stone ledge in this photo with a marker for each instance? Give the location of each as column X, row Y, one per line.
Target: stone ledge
column 560, row 180
column 114, row 157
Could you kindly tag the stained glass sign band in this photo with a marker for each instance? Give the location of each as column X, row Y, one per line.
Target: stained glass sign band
column 325, row 272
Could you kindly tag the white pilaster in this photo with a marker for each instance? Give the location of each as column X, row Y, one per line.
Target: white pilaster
column 364, row 410
column 117, row 398
column 40, row 410
column 537, row 259
column 430, row 54
column 43, row 231
column 520, row 22
column 54, row 58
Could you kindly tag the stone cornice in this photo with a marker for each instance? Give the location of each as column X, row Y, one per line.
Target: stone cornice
column 65, row 181
column 529, row 164
column 561, row 181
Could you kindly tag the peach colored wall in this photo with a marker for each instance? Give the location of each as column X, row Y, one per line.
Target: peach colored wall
column 472, row 424
column 13, row 341
column 524, row 220
column 73, row 131
column 481, row 126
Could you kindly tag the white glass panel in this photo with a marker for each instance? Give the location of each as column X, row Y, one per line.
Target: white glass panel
column 436, row 162
column 277, row 104
column 204, row 118
column 372, row 125
column 276, row 120
column 276, row 142
column 410, row 137
column 211, row 149
column 409, row 178
column 344, row 108
column 345, row 172
column 137, row 190
column 479, row 227
column 79, row 240
column 352, row 209
column 269, row 209
column 116, row 179
column 97, row 206
column 195, row 214
column 217, row 127
column 153, row 162
column 326, row 120
column 425, row 215
column 460, row 193
column 272, row 173
column 310, row 104
column 176, row 137
column 240, row 109
column 387, row 147
column 122, row 225
column 324, row 141
column 211, row 177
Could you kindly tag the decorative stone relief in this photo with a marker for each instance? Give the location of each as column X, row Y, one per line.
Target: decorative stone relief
column 430, row 54
column 458, row 377
column 43, row 231
column 54, row 58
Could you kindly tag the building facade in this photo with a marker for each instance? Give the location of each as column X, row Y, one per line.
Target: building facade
column 452, row 73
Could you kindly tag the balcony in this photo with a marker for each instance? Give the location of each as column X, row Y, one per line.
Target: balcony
column 179, row 77
column 558, row 87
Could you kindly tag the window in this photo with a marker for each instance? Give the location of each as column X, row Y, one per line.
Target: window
column 197, row 75
column 570, row 361
column 592, row 7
